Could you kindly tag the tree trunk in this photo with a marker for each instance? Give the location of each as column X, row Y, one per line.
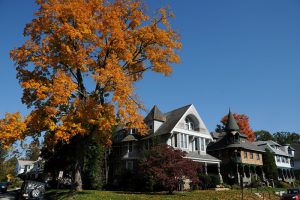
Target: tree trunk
column 79, row 162
column 78, row 177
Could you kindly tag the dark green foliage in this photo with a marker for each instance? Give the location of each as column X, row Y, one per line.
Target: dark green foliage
column 62, row 158
column 270, row 168
column 93, row 166
column 33, row 150
column 208, row 181
column 280, row 184
column 286, row 138
column 256, row 182
column 263, row 135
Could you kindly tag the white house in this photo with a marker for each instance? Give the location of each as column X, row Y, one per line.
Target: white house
column 283, row 155
column 24, row 166
column 182, row 128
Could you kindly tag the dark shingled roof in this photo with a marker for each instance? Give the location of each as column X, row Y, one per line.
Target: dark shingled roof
column 197, row 156
column 231, row 124
column 155, row 114
column 243, row 144
column 172, row 118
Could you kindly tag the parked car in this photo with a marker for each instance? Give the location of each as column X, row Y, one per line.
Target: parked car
column 292, row 194
column 32, row 190
column 3, row 186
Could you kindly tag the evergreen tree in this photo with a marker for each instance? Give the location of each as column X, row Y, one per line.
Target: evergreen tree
column 93, row 172
column 270, row 167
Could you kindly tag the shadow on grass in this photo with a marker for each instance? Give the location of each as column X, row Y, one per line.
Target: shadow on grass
column 151, row 193
column 61, row 194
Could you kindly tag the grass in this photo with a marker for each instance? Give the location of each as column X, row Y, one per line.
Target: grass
column 117, row 195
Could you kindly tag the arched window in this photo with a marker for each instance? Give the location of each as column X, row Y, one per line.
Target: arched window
column 189, row 124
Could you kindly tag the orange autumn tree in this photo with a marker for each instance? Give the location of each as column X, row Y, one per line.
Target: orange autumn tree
column 243, row 123
column 12, row 128
column 79, row 65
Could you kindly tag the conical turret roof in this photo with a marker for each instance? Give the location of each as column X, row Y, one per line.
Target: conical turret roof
column 231, row 124
column 155, row 114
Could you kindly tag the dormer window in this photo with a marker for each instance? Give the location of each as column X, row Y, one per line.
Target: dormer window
column 189, row 125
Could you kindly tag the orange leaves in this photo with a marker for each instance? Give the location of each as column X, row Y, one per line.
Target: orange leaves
column 12, row 128
column 70, row 42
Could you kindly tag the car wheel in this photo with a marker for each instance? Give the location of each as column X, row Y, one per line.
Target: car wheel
column 35, row 193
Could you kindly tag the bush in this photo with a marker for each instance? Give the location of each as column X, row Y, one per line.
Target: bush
column 280, row 184
column 297, row 183
column 235, row 187
column 256, row 182
column 208, row 181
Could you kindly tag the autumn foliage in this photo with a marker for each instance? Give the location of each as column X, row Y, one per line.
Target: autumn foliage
column 79, row 64
column 169, row 167
column 12, row 128
column 243, row 123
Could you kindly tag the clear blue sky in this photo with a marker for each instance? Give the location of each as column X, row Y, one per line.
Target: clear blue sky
column 239, row 54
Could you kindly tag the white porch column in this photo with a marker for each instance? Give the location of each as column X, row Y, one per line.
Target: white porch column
column 220, row 175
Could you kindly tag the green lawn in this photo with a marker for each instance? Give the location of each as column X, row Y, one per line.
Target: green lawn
column 114, row 195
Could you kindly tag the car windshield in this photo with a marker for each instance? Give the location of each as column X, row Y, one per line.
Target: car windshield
column 293, row 191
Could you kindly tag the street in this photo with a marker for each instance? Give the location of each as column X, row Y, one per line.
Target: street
column 10, row 195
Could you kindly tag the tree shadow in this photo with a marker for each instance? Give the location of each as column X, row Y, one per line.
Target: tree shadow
column 151, row 193
column 56, row 194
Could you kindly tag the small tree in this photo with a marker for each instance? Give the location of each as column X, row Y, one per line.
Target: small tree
column 168, row 166
column 270, row 165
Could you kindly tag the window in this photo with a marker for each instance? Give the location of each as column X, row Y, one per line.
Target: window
column 196, row 144
column 130, row 146
column 245, row 155
column 202, row 144
column 277, row 158
column 257, row 156
column 189, row 125
column 183, row 140
column 251, row 155
column 175, row 140
column 129, row 164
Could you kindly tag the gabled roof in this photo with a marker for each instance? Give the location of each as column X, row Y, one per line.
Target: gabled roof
column 172, row 118
column 155, row 114
column 268, row 144
column 231, row 124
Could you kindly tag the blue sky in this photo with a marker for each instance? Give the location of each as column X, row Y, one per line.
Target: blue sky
column 239, row 54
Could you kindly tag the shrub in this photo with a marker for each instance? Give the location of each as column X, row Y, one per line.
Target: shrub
column 208, row 181
column 256, row 182
column 280, row 184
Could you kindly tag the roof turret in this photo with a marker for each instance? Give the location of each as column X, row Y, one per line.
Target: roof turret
column 155, row 114
column 231, row 124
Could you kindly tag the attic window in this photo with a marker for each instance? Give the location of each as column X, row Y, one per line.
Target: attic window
column 150, row 126
column 189, row 125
